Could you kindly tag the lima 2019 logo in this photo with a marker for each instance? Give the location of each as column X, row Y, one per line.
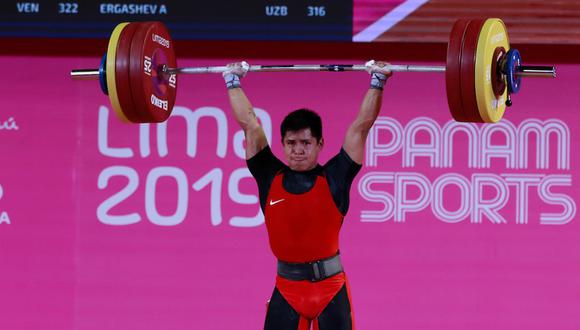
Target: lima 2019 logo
column 9, row 124
column 4, row 218
column 6, row 125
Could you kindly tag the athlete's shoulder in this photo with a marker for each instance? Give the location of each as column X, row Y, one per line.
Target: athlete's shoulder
column 265, row 161
column 341, row 161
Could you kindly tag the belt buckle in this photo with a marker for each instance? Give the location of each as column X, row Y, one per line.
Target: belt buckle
column 317, row 271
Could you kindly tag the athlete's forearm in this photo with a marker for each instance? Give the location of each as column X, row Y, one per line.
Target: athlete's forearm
column 242, row 109
column 369, row 110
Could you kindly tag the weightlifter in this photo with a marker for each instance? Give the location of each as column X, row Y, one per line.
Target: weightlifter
column 304, row 204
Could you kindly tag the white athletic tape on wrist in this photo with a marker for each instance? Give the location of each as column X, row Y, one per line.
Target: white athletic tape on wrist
column 378, row 80
column 232, row 80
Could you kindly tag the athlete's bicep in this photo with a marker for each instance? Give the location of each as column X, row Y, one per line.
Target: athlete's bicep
column 255, row 140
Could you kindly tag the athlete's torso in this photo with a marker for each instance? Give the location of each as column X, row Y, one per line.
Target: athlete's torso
column 303, row 210
column 302, row 227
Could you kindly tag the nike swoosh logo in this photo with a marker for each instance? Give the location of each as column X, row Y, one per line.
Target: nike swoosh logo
column 276, row 202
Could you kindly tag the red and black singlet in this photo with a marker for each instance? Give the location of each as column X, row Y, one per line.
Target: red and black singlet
column 304, row 212
column 302, row 227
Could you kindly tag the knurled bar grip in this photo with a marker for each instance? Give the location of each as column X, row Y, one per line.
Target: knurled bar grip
column 308, row 67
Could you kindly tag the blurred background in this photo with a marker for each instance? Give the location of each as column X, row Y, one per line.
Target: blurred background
column 107, row 225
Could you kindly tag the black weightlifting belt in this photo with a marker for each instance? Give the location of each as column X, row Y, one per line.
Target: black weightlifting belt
column 312, row 271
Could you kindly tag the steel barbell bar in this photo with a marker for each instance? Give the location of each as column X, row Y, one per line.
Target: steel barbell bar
column 524, row 71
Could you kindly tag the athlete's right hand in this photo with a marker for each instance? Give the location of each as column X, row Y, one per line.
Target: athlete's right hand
column 239, row 69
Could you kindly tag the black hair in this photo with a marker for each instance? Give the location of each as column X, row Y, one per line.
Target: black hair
column 302, row 119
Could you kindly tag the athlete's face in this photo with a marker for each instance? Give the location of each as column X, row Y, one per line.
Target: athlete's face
column 301, row 149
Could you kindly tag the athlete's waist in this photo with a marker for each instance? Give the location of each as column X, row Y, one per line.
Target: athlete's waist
column 312, row 271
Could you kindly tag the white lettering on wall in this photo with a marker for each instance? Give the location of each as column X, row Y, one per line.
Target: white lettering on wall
column 514, row 152
column 192, row 119
column 9, row 124
column 455, row 197
column 4, row 218
column 214, row 179
column 389, row 196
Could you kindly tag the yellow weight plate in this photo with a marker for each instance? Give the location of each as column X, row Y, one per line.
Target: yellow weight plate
column 111, row 60
column 493, row 35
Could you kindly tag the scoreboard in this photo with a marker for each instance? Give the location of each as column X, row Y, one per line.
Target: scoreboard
column 321, row 20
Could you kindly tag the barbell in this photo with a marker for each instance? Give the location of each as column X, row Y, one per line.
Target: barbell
column 139, row 71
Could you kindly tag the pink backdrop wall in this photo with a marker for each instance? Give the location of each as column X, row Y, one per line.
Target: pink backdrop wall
column 451, row 226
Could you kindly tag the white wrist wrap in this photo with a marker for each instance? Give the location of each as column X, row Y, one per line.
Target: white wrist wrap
column 232, row 81
column 378, row 80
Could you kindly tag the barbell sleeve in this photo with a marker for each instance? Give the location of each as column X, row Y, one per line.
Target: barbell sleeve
column 536, row 71
column 85, row 74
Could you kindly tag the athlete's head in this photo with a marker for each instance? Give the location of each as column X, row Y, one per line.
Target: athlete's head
column 301, row 133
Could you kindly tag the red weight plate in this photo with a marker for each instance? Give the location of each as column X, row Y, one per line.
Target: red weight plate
column 122, row 73
column 153, row 92
column 140, row 101
column 452, row 69
column 467, row 71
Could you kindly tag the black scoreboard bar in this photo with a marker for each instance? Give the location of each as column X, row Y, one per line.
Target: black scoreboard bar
column 193, row 20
